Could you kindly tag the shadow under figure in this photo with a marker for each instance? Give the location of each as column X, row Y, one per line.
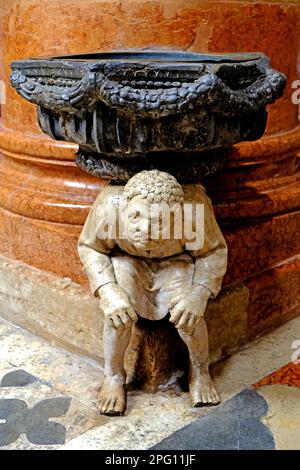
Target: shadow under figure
column 141, row 265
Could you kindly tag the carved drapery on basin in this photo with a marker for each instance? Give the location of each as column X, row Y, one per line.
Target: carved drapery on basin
column 129, row 110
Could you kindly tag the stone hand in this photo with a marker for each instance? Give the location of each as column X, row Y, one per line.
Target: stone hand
column 115, row 304
column 190, row 309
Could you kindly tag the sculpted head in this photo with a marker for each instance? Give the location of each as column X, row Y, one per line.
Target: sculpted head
column 152, row 197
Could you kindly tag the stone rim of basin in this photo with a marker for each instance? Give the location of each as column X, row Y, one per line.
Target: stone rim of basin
column 150, row 83
column 134, row 104
column 144, row 55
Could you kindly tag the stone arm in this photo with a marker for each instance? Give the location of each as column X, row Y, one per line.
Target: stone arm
column 211, row 259
column 94, row 251
column 210, row 267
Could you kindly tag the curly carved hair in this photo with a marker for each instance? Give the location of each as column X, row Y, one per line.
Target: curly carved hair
column 155, row 186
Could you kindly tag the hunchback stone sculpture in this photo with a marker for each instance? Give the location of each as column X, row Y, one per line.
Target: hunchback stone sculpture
column 142, row 276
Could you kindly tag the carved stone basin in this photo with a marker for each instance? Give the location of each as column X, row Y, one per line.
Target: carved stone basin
column 136, row 110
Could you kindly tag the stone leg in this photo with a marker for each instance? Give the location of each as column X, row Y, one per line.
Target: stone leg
column 155, row 352
column 112, row 396
column 202, row 391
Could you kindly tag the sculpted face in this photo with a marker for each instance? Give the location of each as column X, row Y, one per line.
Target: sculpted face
column 145, row 224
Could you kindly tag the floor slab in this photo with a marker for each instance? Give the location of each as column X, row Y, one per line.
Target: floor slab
column 34, row 373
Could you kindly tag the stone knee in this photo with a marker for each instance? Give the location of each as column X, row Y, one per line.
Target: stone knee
column 197, row 343
column 119, row 326
column 197, row 329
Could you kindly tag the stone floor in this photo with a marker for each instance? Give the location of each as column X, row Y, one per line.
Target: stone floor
column 48, row 400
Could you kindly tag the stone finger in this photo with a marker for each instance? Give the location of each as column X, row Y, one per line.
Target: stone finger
column 125, row 319
column 117, row 321
column 183, row 320
column 192, row 321
column 176, row 315
column 132, row 314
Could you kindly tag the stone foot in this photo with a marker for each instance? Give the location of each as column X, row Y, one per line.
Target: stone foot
column 202, row 390
column 112, row 398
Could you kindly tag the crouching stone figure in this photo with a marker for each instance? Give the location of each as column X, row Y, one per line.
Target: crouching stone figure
column 153, row 248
